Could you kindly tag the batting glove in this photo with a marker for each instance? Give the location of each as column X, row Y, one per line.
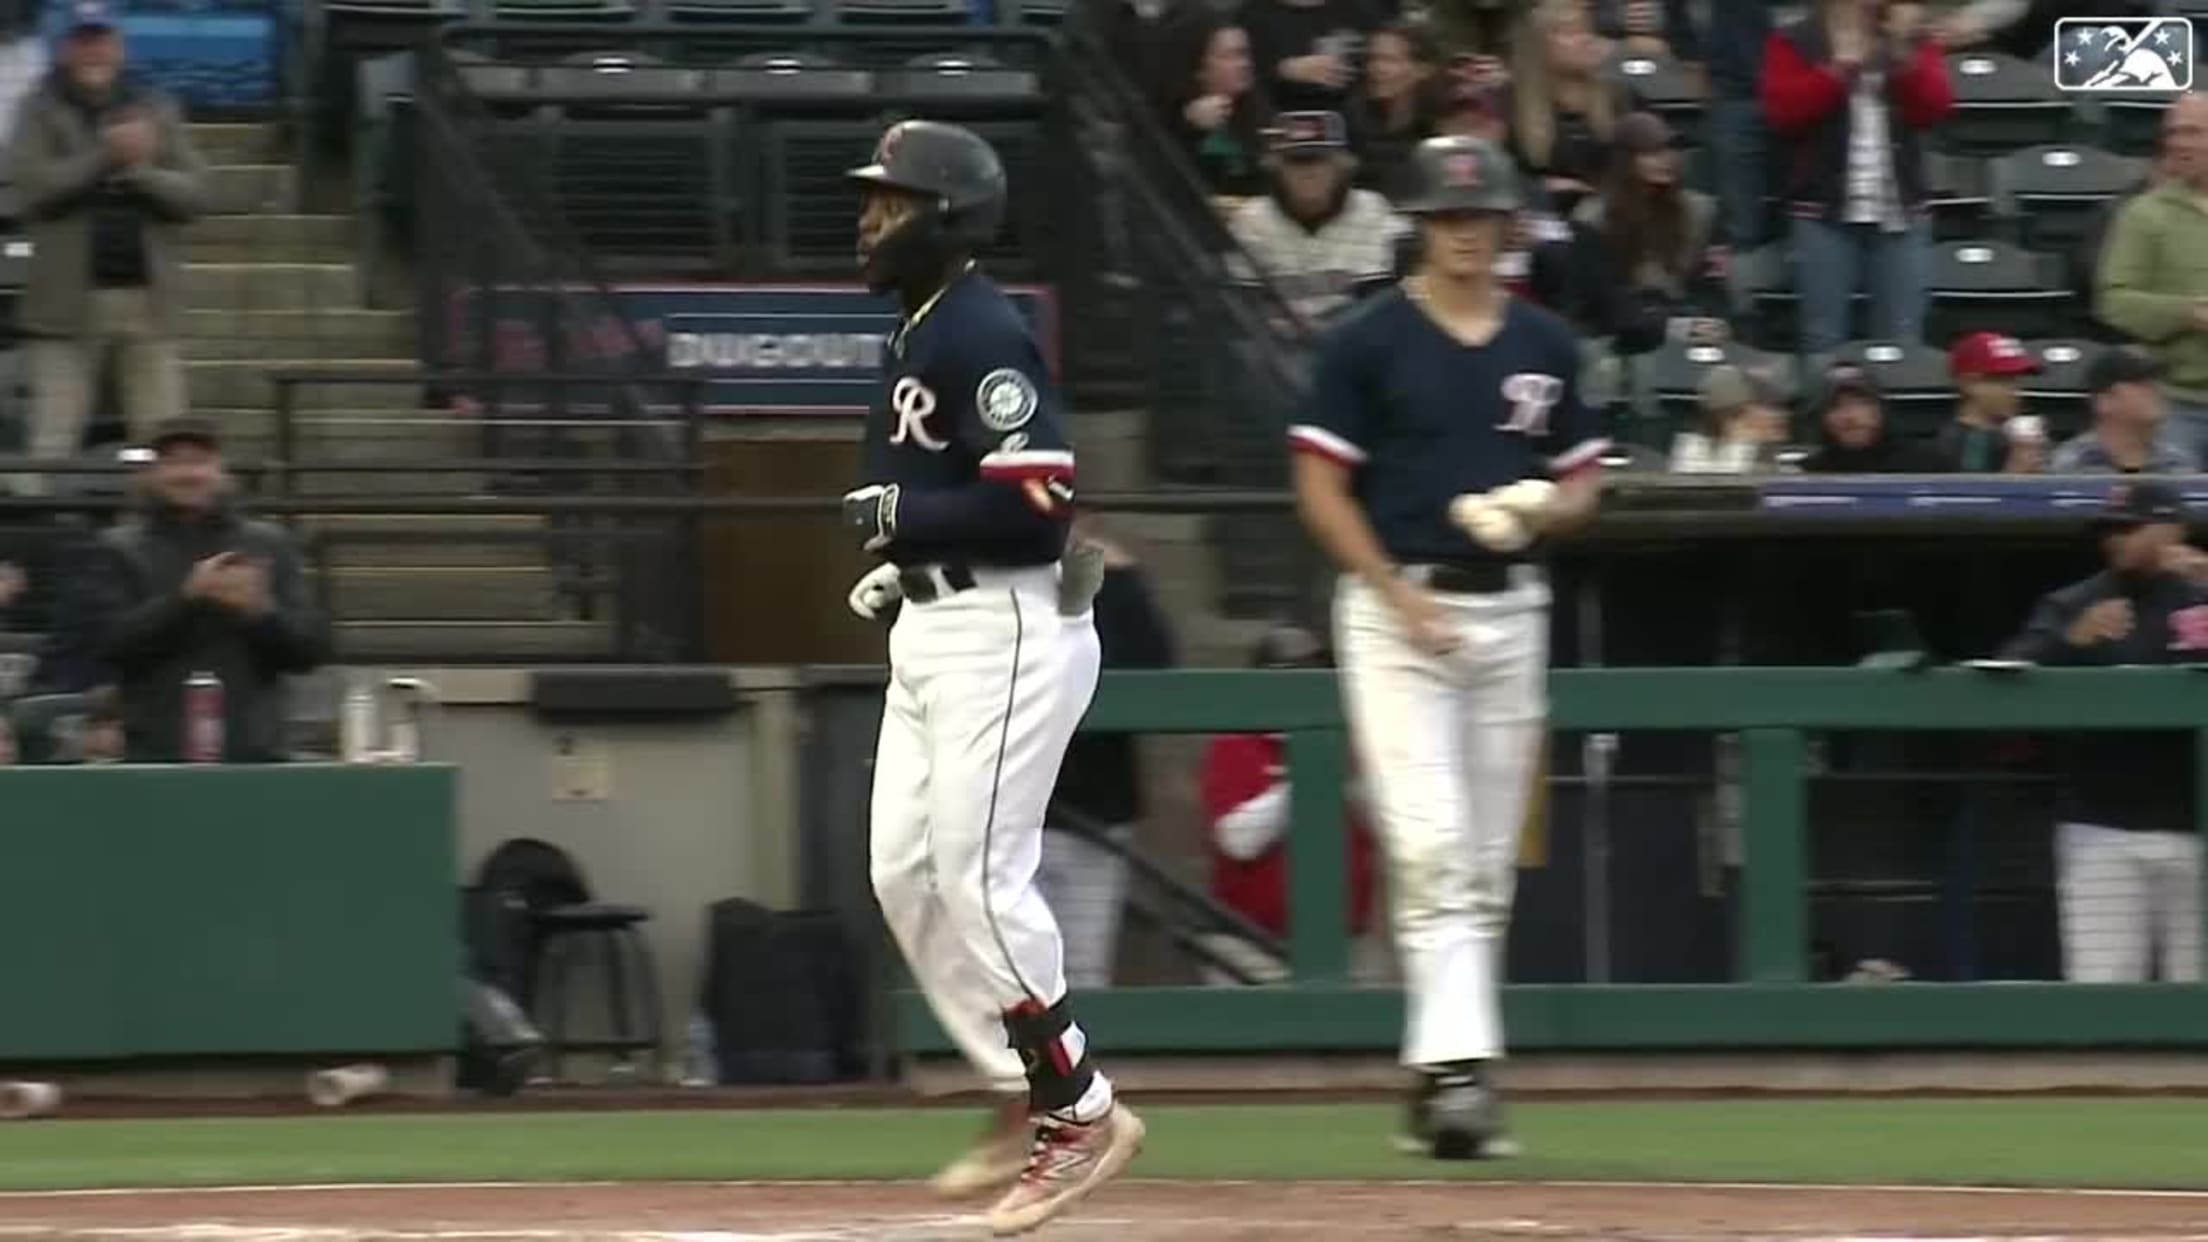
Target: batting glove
column 872, row 511
column 876, row 593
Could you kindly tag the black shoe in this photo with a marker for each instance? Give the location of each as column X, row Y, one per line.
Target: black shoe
column 1417, row 1136
column 1464, row 1117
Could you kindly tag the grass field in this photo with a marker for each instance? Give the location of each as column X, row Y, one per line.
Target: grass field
column 2129, row 1143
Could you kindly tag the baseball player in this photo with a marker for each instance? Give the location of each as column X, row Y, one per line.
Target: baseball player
column 1444, row 443
column 993, row 659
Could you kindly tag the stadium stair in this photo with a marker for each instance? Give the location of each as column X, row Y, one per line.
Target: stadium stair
column 266, row 288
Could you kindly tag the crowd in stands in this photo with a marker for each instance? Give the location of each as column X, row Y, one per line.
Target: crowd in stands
column 1813, row 141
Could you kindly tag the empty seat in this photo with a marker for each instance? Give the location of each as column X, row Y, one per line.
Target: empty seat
column 1997, row 287
column 2055, row 192
column 2002, row 104
column 791, row 76
column 490, row 79
column 1664, row 87
column 554, row 10
column 1919, row 391
column 1767, row 304
column 620, row 77
column 2058, row 393
column 737, row 10
column 1668, row 380
column 929, row 12
column 1957, row 195
column 952, row 78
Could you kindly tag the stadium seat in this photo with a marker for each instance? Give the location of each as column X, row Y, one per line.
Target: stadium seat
column 1668, row 380
column 746, row 11
column 1994, row 286
column 777, row 76
column 1919, row 391
column 1663, row 87
column 2058, row 393
column 1033, row 12
column 2002, row 104
column 2055, row 192
column 1767, row 307
column 15, row 262
column 1957, row 195
column 2132, row 124
column 946, row 78
column 620, row 77
column 913, row 12
column 493, row 81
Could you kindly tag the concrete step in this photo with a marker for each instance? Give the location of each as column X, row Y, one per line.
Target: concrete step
column 299, row 338
column 244, row 384
column 532, row 641
column 446, row 593
column 269, row 286
column 249, row 188
column 270, row 237
column 380, row 541
column 239, row 143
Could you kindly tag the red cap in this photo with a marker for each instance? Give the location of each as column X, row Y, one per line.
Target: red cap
column 1990, row 353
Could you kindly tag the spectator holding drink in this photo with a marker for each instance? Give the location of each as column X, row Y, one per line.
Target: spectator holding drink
column 1990, row 434
column 191, row 602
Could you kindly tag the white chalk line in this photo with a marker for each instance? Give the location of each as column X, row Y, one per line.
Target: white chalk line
column 951, row 1229
column 275, row 1188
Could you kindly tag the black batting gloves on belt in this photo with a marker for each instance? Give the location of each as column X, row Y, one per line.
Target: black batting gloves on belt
column 872, row 511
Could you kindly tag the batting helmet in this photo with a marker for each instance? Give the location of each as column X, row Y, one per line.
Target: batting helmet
column 1461, row 174
column 948, row 164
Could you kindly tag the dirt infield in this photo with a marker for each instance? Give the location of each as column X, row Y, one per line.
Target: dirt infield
column 1137, row 1211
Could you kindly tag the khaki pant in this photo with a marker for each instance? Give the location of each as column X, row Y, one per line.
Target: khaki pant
column 65, row 374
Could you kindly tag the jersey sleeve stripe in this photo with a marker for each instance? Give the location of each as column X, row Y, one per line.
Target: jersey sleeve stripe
column 1325, row 443
column 1579, row 456
column 1028, row 464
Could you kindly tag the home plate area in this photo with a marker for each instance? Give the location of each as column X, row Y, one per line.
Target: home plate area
column 1135, row 1211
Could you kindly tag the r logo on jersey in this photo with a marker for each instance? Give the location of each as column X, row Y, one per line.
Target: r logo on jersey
column 913, row 402
column 1005, row 399
column 1531, row 396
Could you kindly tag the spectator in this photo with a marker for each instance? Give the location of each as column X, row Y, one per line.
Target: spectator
column 1851, row 91
column 1852, row 431
column 1738, row 32
column 2127, row 855
column 2150, row 287
column 191, row 585
column 1307, row 51
column 2085, row 261
column 1657, row 29
column 1395, row 107
column 1320, row 242
column 1216, row 111
column 12, row 586
column 1987, row 434
column 107, row 171
column 1246, row 802
column 1742, row 427
column 1100, row 785
column 2129, row 434
column 1647, row 249
column 1563, row 112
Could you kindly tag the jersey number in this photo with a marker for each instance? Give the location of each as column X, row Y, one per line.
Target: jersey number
column 913, row 402
column 1531, row 396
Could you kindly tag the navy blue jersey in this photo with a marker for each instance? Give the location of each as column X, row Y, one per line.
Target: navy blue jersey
column 1421, row 418
column 970, row 430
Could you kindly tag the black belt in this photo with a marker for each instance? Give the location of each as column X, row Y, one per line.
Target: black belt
column 925, row 585
column 1484, row 578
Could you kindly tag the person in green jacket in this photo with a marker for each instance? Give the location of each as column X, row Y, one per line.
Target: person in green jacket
column 2153, row 279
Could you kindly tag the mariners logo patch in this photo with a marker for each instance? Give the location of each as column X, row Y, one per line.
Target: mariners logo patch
column 1005, row 399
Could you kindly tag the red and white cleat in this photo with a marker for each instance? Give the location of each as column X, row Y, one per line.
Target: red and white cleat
column 1066, row 1162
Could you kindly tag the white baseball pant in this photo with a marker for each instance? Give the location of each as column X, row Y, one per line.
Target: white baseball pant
column 2121, row 895
column 1449, row 746
column 985, row 690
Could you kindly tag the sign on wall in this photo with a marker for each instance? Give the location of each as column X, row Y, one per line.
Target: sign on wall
column 765, row 349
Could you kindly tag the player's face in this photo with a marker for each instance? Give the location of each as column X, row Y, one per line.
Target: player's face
column 1463, row 245
column 880, row 212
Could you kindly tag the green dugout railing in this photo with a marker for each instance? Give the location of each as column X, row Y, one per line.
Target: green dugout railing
column 1772, row 1006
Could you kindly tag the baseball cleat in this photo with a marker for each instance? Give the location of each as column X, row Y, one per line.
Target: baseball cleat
column 1464, row 1120
column 1066, row 1163
column 995, row 1159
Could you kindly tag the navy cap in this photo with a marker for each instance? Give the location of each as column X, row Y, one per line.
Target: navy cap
column 88, row 15
column 184, row 429
column 2143, row 503
column 2121, row 364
